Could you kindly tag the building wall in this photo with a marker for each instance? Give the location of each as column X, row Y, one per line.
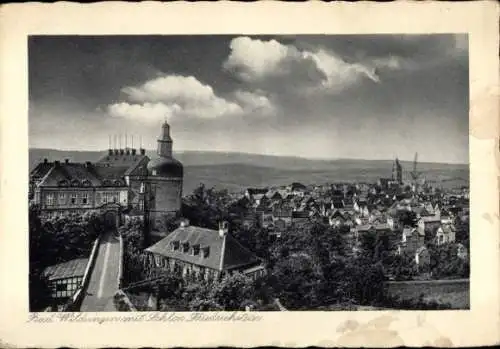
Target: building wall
column 69, row 198
column 167, row 197
column 137, row 190
column 188, row 270
column 65, row 288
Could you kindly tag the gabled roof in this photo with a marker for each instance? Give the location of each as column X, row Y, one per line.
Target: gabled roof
column 68, row 173
column 41, row 169
column 72, row 268
column 130, row 161
column 224, row 253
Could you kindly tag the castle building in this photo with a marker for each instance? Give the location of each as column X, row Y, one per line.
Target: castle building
column 122, row 182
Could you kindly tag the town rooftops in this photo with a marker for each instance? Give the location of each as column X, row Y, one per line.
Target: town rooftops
column 297, row 186
column 300, row 214
column 215, row 252
column 430, row 219
column 254, row 191
column 69, row 269
column 382, row 226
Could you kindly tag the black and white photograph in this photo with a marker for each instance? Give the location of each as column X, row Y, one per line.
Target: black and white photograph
column 248, row 173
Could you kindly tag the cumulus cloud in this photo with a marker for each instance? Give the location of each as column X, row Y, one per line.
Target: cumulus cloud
column 173, row 96
column 148, row 112
column 255, row 102
column 273, row 63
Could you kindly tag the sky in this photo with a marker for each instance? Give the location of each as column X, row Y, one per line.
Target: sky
column 321, row 96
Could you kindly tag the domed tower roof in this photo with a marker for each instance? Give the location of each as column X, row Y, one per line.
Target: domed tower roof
column 164, row 165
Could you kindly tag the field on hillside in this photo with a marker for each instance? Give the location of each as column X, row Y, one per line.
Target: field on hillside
column 453, row 292
column 235, row 171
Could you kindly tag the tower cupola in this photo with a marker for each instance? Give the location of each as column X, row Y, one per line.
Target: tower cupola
column 165, row 142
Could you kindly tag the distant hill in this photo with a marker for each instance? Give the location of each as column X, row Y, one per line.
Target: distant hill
column 239, row 170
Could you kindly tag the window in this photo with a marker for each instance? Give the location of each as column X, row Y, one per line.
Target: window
column 141, row 204
column 73, row 198
column 206, row 252
column 50, row 199
column 196, row 250
column 185, row 247
column 175, row 245
column 142, row 188
column 62, row 198
column 85, row 198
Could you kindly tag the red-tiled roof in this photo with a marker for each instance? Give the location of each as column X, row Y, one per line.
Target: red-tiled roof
column 72, row 268
column 223, row 255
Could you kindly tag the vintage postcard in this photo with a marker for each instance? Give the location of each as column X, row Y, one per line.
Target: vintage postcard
column 326, row 177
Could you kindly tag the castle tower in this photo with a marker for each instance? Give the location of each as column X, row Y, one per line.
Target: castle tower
column 165, row 176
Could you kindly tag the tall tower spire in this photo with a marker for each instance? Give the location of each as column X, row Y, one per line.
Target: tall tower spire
column 165, row 141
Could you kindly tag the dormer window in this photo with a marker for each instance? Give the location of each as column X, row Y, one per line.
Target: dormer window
column 75, row 183
column 86, row 183
column 196, row 250
column 185, row 247
column 63, row 183
column 206, row 251
column 175, row 245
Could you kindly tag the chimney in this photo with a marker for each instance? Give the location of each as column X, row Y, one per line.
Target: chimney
column 223, row 229
column 143, row 151
column 45, row 161
column 88, row 164
column 184, row 223
column 134, row 151
column 66, row 161
column 57, row 163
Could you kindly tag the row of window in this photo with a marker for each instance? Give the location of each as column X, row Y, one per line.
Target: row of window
column 62, row 199
column 107, row 197
column 186, row 270
column 81, row 198
column 195, row 249
column 65, row 287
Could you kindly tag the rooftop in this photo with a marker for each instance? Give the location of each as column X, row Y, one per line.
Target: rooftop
column 223, row 253
column 72, row 268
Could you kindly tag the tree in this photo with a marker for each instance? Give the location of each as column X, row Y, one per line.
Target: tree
column 207, row 207
column 54, row 241
column 445, row 262
column 403, row 267
column 230, row 292
column 407, row 218
column 298, row 281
